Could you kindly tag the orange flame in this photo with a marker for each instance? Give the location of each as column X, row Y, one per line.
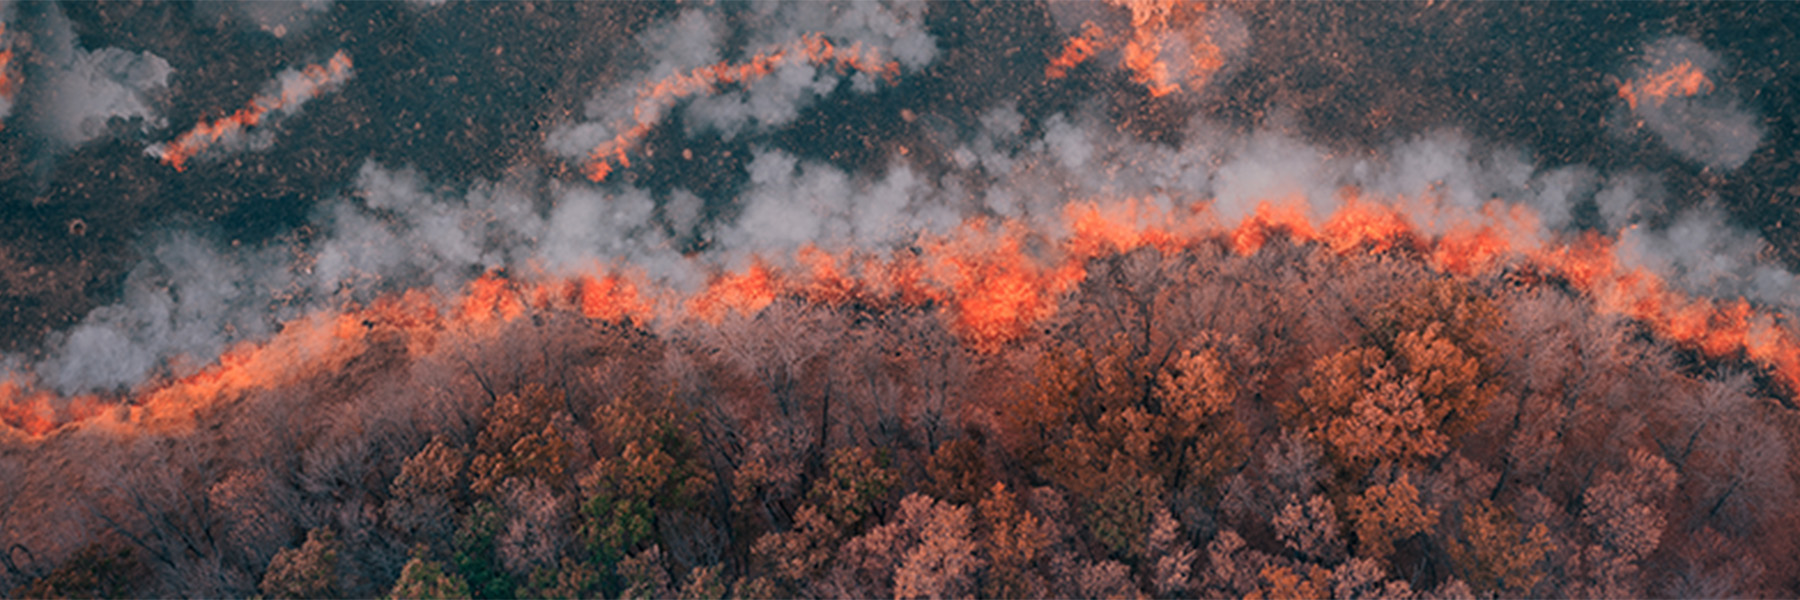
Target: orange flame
column 1287, row 217
column 993, row 282
column 7, row 84
column 1683, row 80
column 1077, row 50
column 995, row 290
column 812, row 47
column 315, row 79
column 1164, row 59
column 746, row 293
column 36, row 413
column 1167, row 48
column 1367, row 226
column 1471, row 248
column 489, row 300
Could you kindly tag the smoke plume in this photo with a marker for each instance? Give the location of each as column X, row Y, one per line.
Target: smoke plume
column 83, row 90
column 248, row 128
column 997, row 187
column 1673, row 91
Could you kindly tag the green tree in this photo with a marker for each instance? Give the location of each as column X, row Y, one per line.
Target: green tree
column 426, row 579
column 569, row 579
column 650, row 463
column 473, row 552
column 855, row 482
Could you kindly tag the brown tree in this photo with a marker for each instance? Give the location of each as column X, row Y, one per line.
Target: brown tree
column 1386, row 513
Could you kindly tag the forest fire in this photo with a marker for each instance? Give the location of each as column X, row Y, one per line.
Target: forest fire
column 1170, row 48
column 1681, row 80
column 990, row 287
column 7, row 84
column 294, row 90
column 1076, row 50
column 654, row 98
column 891, row 298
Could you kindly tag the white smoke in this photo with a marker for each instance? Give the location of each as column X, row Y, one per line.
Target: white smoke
column 397, row 230
column 1702, row 253
column 1709, row 127
column 280, row 18
column 182, row 307
column 282, row 97
column 82, row 91
column 894, row 30
column 790, row 203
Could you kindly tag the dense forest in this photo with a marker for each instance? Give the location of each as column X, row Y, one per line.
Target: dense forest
column 1188, row 422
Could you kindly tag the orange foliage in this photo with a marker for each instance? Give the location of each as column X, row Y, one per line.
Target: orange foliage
column 317, row 79
column 812, row 48
column 1680, row 81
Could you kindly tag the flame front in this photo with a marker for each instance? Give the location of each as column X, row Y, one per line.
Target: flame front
column 992, row 282
column 314, row 80
column 653, row 97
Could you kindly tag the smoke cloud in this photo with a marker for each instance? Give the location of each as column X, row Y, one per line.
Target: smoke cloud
column 1674, row 92
column 280, row 18
column 1117, row 256
column 794, row 55
column 250, row 127
column 84, row 90
column 395, row 230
